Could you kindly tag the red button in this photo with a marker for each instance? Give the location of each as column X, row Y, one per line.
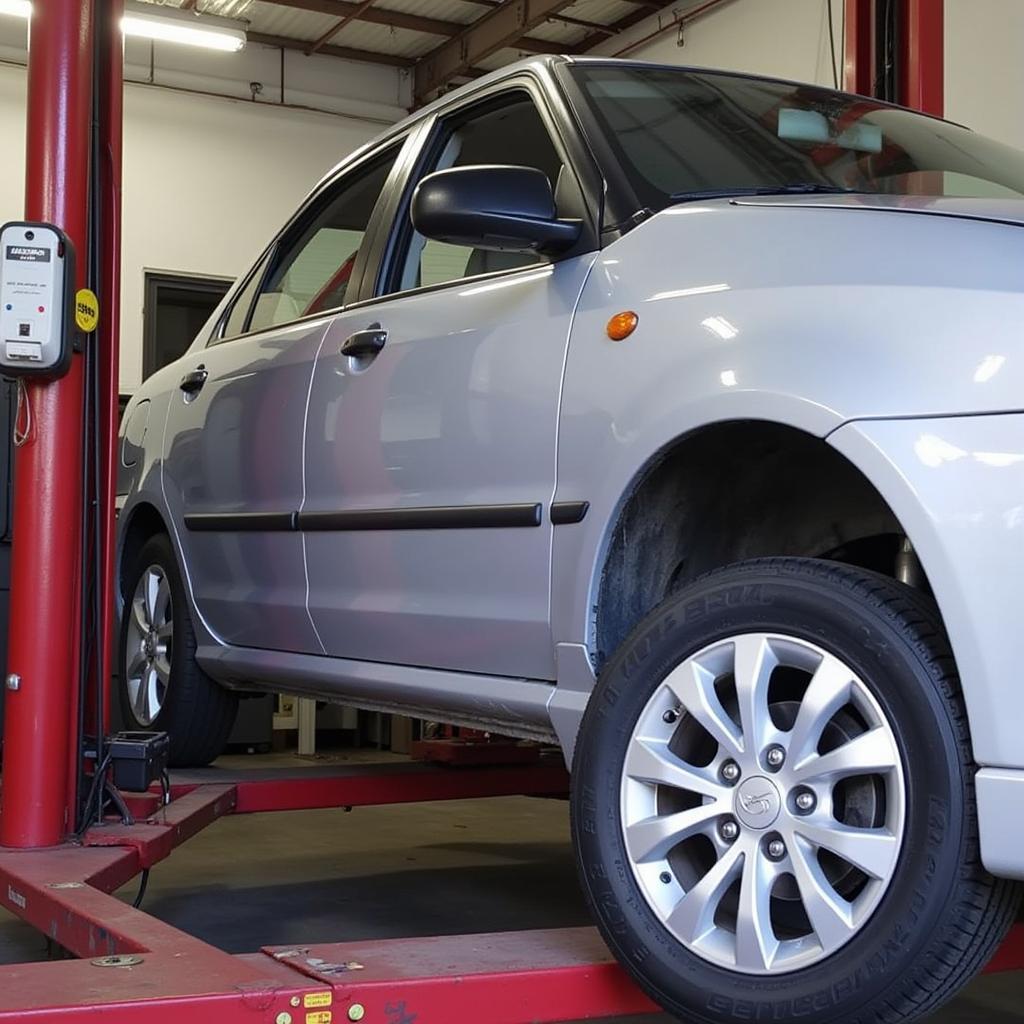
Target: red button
column 42, row 309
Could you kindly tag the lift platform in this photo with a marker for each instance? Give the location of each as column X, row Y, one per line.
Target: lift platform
column 130, row 967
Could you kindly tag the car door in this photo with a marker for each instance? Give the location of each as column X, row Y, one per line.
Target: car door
column 233, row 449
column 430, row 466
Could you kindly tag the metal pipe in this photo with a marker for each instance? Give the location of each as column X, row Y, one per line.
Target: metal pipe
column 47, row 467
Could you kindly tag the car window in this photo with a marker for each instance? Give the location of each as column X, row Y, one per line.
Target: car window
column 512, row 133
column 312, row 268
column 235, row 323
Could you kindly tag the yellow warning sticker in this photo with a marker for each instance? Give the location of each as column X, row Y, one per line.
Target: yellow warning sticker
column 319, row 1017
column 87, row 310
column 312, row 999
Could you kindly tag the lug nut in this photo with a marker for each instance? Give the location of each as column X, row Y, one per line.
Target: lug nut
column 775, row 757
column 805, row 801
column 730, row 771
column 670, row 716
column 729, row 830
column 776, row 849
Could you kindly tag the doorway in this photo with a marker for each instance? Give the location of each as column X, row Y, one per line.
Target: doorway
column 176, row 307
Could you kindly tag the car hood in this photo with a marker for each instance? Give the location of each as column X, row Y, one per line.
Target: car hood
column 1002, row 211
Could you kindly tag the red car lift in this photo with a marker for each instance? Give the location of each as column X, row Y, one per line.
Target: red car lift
column 131, row 967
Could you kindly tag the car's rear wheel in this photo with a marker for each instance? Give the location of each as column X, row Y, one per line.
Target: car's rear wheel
column 773, row 803
column 161, row 686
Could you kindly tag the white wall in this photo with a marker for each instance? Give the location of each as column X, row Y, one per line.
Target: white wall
column 785, row 38
column 209, row 179
column 984, row 86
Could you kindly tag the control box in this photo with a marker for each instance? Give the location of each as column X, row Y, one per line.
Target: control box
column 36, row 300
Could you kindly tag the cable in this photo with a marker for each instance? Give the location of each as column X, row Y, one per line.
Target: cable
column 143, row 882
column 24, row 404
column 832, row 45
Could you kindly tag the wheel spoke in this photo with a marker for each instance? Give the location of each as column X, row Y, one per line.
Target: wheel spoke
column 162, row 604
column 753, row 662
column 694, row 688
column 162, row 668
column 152, row 590
column 869, row 753
column 694, row 915
column 165, row 632
column 756, row 944
column 136, row 665
column 653, row 838
column 873, row 850
column 828, row 691
column 139, row 620
column 651, row 761
column 152, row 686
column 829, row 914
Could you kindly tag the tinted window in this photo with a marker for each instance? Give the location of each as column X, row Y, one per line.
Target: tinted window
column 239, row 314
column 513, row 133
column 313, row 266
column 680, row 133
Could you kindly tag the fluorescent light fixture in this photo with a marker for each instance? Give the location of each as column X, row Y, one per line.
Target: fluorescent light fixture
column 171, row 25
column 19, row 8
column 167, row 24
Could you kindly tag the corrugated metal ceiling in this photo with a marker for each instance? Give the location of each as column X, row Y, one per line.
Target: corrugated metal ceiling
column 304, row 21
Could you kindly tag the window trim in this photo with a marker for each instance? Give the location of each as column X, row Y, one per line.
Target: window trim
column 300, row 219
column 388, row 269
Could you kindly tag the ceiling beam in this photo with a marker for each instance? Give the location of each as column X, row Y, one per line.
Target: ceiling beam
column 505, row 25
column 374, row 15
column 399, row 19
column 564, row 19
column 360, row 8
column 344, row 52
column 681, row 19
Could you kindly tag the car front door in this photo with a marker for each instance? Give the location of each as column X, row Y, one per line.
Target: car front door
column 430, row 465
column 233, row 454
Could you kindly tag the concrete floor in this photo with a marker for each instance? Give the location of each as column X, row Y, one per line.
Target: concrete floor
column 418, row 869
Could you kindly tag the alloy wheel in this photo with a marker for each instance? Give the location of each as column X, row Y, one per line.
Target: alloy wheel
column 148, row 645
column 763, row 803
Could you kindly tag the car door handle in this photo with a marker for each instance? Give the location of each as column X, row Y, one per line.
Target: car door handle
column 365, row 344
column 193, row 381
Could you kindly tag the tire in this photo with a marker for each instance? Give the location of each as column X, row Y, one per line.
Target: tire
column 906, row 932
column 195, row 712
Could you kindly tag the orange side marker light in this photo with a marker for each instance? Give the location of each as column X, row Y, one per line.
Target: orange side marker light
column 622, row 325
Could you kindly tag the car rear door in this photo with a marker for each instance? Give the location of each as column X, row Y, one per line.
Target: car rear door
column 233, row 450
column 430, row 467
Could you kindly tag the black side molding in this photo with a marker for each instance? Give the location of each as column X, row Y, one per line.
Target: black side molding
column 447, row 517
column 240, row 522
column 564, row 513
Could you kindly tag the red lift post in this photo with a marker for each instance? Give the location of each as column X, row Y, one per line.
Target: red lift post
column 131, row 967
column 40, row 728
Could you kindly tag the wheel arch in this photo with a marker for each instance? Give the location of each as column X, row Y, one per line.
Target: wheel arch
column 726, row 492
column 144, row 521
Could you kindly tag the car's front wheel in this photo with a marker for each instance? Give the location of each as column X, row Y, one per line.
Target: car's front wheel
column 161, row 686
column 773, row 803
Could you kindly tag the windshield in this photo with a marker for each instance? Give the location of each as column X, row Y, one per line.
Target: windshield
column 681, row 134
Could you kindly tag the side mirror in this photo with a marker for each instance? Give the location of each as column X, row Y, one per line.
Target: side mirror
column 493, row 206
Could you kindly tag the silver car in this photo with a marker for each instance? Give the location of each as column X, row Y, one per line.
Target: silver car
column 675, row 416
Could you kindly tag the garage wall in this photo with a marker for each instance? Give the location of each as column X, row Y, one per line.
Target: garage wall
column 984, row 72
column 785, row 38
column 209, row 179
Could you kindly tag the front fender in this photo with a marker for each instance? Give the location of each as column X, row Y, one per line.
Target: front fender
column 957, row 487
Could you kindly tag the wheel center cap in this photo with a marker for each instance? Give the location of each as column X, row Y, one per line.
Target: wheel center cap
column 757, row 802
